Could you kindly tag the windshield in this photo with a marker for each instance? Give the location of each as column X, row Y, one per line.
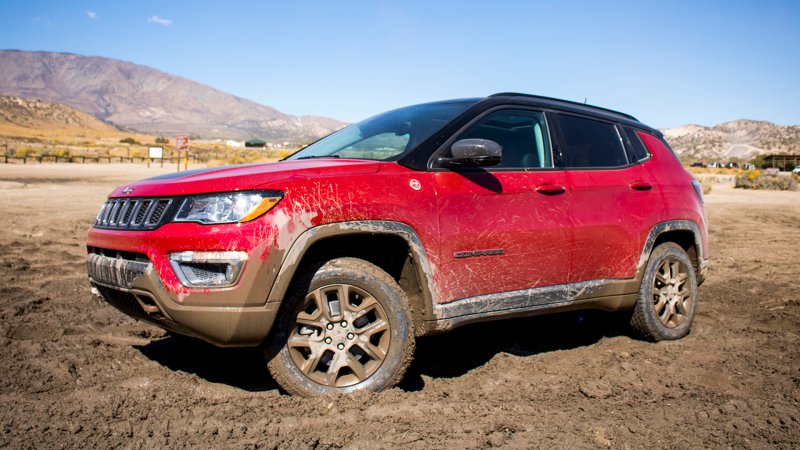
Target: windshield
column 387, row 136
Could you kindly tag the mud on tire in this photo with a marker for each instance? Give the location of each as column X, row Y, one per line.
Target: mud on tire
column 346, row 326
column 667, row 301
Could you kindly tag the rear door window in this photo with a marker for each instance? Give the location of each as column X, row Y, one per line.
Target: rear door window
column 589, row 143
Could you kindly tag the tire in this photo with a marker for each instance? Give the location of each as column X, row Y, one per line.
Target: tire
column 667, row 301
column 323, row 345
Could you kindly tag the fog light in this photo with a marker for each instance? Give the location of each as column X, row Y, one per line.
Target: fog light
column 208, row 269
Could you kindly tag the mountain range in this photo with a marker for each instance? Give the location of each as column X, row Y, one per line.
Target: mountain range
column 139, row 98
column 743, row 139
column 147, row 100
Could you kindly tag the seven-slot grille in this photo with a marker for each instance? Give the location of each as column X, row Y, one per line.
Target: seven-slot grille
column 134, row 213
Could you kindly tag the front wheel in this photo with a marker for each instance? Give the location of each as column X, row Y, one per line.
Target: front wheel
column 346, row 327
column 667, row 301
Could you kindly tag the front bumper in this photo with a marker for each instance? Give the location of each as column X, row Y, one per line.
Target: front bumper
column 144, row 298
column 131, row 271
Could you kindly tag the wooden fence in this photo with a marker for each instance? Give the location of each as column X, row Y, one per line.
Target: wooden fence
column 5, row 159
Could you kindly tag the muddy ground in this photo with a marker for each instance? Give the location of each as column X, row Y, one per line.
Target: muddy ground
column 77, row 373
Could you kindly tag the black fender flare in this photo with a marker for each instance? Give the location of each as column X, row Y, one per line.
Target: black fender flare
column 673, row 225
column 294, row 256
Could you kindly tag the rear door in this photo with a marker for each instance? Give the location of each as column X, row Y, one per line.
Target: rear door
column 613, row 200
column 502, row 227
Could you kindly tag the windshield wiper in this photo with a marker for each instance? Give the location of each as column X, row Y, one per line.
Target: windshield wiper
column 319, row 156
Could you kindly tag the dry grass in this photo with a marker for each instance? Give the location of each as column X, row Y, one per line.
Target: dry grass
column 712, row 171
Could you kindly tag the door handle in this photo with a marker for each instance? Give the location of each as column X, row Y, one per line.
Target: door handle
column 551, row 189
column 640, row 185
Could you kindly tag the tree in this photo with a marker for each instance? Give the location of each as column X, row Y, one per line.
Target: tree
column 130, row 141
column 760, row 161
column 162, row 140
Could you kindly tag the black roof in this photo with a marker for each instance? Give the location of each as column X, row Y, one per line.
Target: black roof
column 559, row 103
column 568, row 106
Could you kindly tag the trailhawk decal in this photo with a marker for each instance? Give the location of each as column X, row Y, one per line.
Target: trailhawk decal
column 471, row 253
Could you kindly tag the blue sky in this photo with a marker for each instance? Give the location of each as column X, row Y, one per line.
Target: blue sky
column 668, row 63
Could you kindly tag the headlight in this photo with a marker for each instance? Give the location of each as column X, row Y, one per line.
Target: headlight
column 230, row 207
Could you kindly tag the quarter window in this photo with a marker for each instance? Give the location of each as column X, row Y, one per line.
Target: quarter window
column 522, row 134
column 590, row 143
column 635, row 143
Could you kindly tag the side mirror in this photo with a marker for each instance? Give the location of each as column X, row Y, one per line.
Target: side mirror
column 474, row 153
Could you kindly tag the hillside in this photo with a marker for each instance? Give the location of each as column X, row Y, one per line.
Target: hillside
column 743, row 139
column 39, row 119
column 147, row 100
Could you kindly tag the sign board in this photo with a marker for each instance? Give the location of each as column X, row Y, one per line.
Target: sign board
column 156, row 152
column 182, row 143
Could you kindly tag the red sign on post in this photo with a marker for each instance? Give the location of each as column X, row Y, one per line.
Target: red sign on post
column 182, row 143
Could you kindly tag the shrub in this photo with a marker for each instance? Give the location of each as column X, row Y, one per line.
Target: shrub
column 62, row 153
column 162, row 140
column 130, row 141
column 755, row 179
column 24, row 152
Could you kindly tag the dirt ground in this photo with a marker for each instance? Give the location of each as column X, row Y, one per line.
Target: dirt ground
column 77, row 373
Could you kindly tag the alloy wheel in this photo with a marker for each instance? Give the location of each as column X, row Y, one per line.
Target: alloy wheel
column 340, row 337
column 672, row 296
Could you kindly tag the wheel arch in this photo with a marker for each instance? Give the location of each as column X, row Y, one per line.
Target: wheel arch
column 685, row 233
column 367, row 240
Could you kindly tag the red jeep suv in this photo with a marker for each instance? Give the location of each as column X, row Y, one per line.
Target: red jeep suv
column 410, row 223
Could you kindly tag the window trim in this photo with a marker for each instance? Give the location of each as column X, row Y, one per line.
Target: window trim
column 432, row 167
column 560, row 138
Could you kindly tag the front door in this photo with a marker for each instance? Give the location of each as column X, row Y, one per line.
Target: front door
column 503, row 228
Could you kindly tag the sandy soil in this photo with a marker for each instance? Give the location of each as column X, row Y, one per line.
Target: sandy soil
column 77, row 373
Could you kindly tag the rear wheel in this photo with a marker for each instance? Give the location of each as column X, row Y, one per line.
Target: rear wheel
column 667, row 301
column 347, row 327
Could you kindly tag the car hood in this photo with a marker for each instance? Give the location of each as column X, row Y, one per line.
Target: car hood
column 242, row 177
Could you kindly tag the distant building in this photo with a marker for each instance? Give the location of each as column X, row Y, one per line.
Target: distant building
column 783, row 162
column 230, row 143
column 255, row 143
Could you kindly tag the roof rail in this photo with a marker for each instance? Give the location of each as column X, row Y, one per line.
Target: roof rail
column 540, row 97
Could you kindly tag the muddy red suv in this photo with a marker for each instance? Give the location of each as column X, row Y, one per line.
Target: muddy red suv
column 410, row 223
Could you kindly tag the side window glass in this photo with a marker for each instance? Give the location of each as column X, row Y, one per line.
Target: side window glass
column 522, row 134
column 590, row 143
column 635, row 143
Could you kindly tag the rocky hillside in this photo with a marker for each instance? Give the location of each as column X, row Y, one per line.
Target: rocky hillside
column 743, row 139
column 148, row 100
column 32, row 118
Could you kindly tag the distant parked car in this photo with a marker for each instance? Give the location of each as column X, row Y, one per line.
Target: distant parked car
column 796, row 170
column 748, row 166
column 698, row 164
